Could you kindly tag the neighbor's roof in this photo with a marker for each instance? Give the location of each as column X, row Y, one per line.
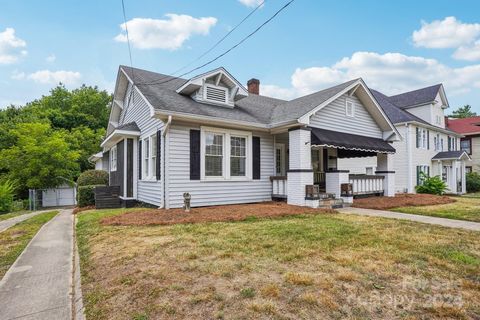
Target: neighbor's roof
column 451, row 155
column 465, row 126
column 131, row 126
column 259, row 109
column 415, row 97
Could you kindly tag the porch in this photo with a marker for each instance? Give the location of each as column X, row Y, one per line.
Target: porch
column 306, row 159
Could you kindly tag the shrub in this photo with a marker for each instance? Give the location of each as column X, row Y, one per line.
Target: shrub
column 93, row 177
column 473, row 182
column 86, row 195
column 7, row 189
column 431, row 185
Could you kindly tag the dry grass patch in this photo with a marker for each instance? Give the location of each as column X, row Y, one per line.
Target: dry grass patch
column 210, row 214
column 303, row 266
column 401, row 200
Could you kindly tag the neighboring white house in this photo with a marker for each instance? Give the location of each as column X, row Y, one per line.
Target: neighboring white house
column 211, row 137
column 427, row 146
column 97, row 159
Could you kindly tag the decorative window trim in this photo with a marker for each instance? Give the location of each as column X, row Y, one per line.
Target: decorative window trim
column 149, row 170
column 113, row 158
column 227, row 133
column 350, row 113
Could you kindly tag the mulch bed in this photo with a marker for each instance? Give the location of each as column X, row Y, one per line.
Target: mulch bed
column 209, row 214
column 401, row 200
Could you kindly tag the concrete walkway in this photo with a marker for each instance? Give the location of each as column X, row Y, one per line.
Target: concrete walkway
column 5, row 224
column 475, row 226
column 39, row 283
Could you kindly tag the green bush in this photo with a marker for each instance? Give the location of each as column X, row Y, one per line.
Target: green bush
column 473, row 182
column 86, row 195
column 93, row 177
column 7, row 190
column 431, row 185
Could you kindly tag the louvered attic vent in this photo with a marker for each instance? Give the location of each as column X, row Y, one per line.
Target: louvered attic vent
column 216, row 94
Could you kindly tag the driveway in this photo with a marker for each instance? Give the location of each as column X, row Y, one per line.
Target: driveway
column 39, row 283
column 451, row 223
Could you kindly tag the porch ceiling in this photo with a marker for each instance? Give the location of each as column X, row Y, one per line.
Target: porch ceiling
column 347, row 141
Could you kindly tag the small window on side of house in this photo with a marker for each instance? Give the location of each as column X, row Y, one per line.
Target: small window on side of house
column 113, row 158
column 349, row 108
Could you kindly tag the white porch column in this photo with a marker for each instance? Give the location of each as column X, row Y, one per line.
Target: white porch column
column 385, row 168
column 300, row 171
column 464, row 177
column 333, row 181
column 453, row 181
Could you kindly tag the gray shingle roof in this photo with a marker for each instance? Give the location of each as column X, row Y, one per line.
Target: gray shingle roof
column 415, row 97
column 131, row 126
column 260, row 109
column 449, row 155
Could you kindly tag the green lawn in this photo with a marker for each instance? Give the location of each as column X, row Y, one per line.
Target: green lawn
column 465, row 208
column 325, row 266
column 14, row 240
column 472, row 195
column 6, row 216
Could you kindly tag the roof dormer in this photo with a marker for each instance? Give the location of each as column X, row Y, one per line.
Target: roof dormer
column 214, row 87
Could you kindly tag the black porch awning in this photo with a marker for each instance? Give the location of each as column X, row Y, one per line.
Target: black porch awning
column 347, row 141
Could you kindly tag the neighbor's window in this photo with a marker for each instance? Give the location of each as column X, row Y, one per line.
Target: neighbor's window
column 213, row 154
column 146, row 156
column 238, row 156
column 113, row 158
column 466, row 145
column 153, row 156
column 422, row 138
column 349, row 108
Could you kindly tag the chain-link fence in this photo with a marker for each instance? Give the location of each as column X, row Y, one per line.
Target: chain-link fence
column 45, row 198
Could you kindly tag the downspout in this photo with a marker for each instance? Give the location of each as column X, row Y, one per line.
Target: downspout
column 164, row 133
column 409, row 158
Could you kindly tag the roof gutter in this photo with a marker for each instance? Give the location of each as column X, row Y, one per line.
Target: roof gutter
column 429, row 126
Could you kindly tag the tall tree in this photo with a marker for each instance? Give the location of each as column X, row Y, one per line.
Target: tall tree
column 40, row 157
column 463, row 112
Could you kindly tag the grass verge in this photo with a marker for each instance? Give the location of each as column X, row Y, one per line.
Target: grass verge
column 14, row 240
column 306, row 266
column 464, row 208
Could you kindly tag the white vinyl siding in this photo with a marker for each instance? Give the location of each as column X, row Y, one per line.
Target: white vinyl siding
column 333, row 117
column 215, row 192
column 150, row 192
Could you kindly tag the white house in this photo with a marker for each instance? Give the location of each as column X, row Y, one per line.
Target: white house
column 97, row 160
column 225, row 144
column 427, row 146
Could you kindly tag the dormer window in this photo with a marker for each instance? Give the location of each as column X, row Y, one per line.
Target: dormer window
column 216, row 87
column 215, row 94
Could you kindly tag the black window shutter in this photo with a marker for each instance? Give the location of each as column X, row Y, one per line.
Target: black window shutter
column 418, row 138
column 418, row 175
column 194, row 154
column 159, row 155
column 256, row 157
column 139, row 159
column 428, row 139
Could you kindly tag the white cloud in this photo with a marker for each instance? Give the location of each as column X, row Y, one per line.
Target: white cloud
column 446, row 33
column 469, row 53
column 11, row 47
column 169, row 33
column 51, row 58
column 251, row 3
column 49, row 77
column 390, row 72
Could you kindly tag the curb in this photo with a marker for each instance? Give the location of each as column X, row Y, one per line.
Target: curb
column 78, row 311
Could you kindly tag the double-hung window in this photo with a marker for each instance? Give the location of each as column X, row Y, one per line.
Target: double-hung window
column 226, row 154
column 149, row 157
column 422, row 138
column 113, row 158
column 214, row 154
column 238, row 156
column 466, row 145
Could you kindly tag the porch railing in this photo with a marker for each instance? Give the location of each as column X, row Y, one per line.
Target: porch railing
column 279, row 187
column 364, row 184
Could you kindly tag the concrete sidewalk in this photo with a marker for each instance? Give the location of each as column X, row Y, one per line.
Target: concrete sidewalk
column 451, row 223
column 38, row 285
column 5, row 224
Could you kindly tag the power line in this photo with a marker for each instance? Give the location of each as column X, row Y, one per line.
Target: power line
column 219, row 41
column 225, row 52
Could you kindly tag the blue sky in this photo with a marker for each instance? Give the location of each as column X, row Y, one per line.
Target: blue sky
column 393, row 45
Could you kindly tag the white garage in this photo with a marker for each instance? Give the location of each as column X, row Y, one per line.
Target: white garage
column 60, row 196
